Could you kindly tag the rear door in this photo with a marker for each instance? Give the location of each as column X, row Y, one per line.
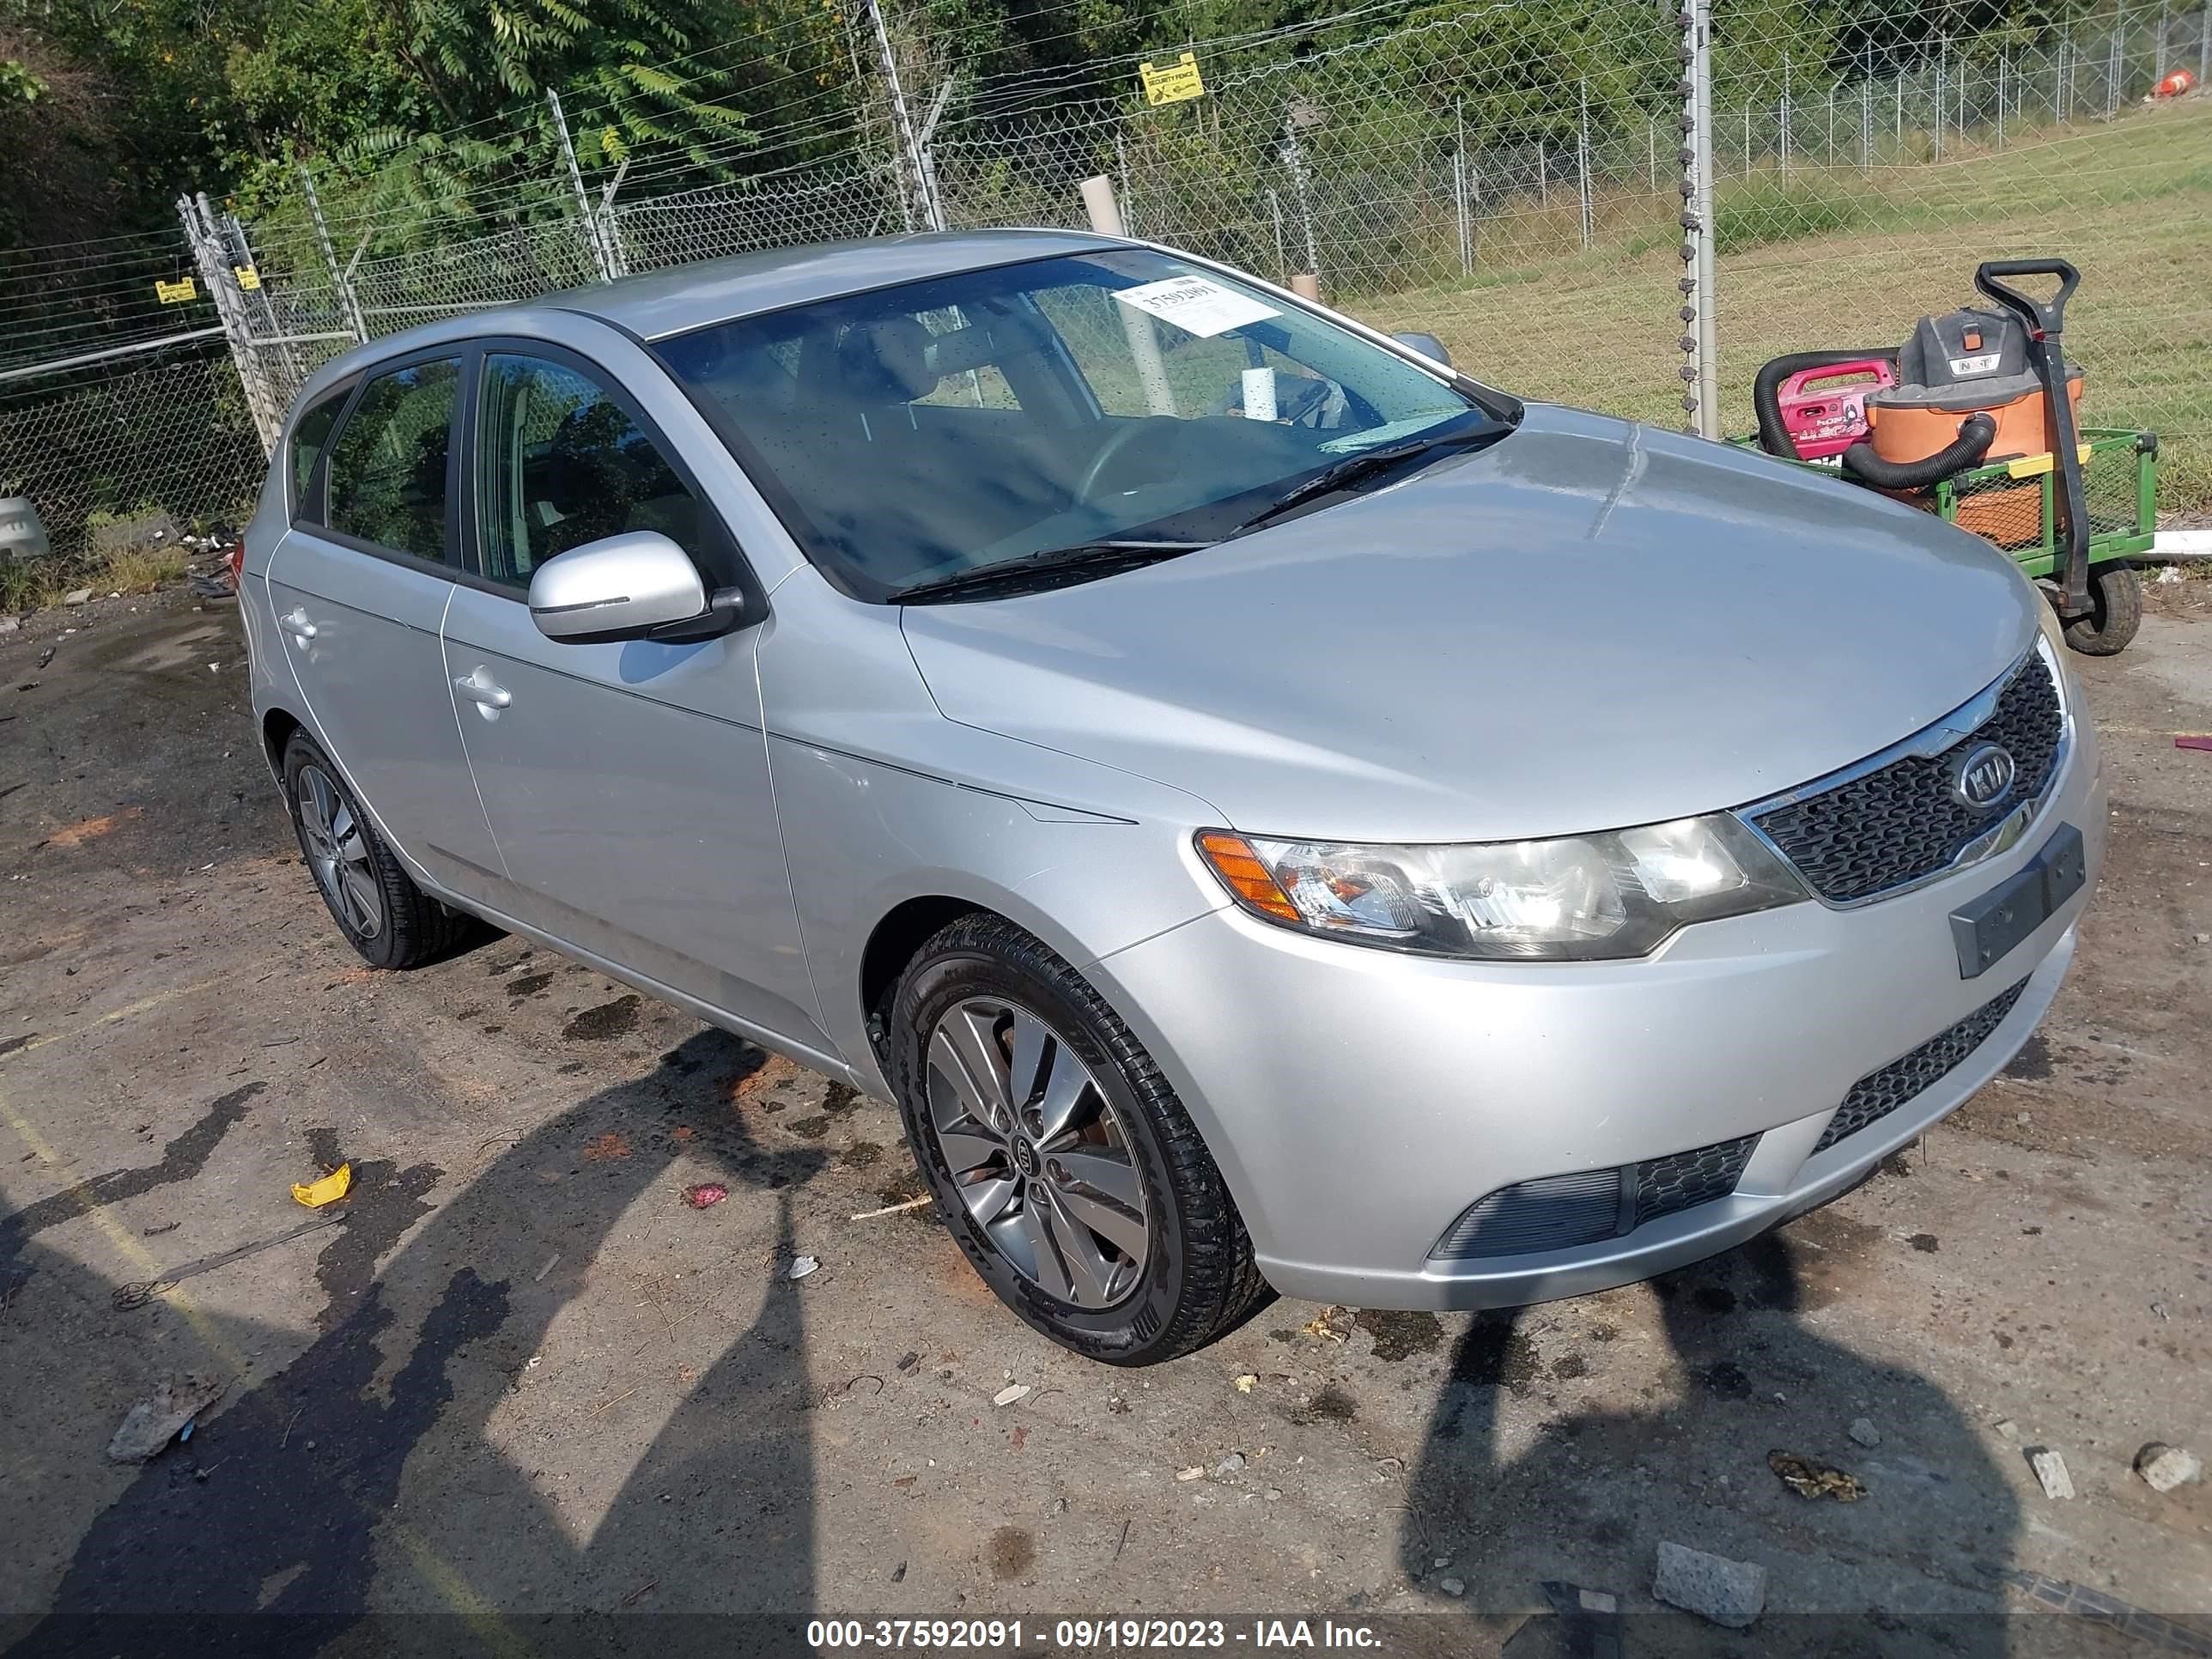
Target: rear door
column 359, row 586
column 627, row 784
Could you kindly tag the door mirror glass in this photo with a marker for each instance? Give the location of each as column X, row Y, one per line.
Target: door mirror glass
column 1427, row 344
column 635, row 585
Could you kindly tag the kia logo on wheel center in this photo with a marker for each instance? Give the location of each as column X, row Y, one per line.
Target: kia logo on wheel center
column 1982, row 778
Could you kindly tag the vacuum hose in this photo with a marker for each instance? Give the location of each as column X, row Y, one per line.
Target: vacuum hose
column 1765, row 392
column 1976, row 434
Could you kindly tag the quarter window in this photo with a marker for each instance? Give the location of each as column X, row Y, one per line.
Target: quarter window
column 388, row 468
column 309, row 439
column 560, row 462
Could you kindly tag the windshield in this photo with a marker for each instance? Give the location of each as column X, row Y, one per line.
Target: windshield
column 913, row 434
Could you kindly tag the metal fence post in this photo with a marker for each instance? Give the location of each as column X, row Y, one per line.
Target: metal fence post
column 914, row 177
column 586, row 219
column 1943, row 93
column 1462, row 208
column 2004, row 60
column 1866, row 117
column 2112, row 74
column 2164, row 20
column 2204, row 44
column 349, row 307
column 1105, row 214
column 1583, row 170
column 1709, row 353
column 1295, row 155
column 1700, row 337
column 1783, row 121
column 222, row 289
column 1275, row 213
column 295, row 376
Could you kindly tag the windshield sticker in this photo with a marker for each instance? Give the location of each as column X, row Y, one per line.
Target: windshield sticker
column 1195, row 305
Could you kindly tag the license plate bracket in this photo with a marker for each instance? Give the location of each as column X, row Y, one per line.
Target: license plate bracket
column 1986, row 928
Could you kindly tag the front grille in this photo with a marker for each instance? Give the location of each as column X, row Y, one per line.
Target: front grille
column 1878, row 1094
column 1681, row 1180
column 1555, row 1212
column 1899, row 823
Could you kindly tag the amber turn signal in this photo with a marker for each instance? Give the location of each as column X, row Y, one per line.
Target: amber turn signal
column 1239, row 866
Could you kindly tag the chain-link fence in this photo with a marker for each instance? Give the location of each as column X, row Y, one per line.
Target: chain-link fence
column 163, row 435
column 1508, row 176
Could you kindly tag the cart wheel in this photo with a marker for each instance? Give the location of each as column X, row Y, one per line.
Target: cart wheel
column 2115, row 612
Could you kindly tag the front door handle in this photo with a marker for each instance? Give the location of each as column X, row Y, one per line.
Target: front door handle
column 479, row 688
column 296, row 621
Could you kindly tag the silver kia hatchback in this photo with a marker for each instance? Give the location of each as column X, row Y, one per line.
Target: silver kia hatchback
column 1268, row 809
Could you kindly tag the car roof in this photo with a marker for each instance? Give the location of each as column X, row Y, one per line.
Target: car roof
column 684, row 297
column 661, row 303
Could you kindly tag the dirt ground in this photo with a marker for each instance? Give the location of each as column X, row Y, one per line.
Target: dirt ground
column 519, row 1381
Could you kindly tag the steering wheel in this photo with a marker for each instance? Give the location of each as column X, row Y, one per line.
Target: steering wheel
column 1119, row 444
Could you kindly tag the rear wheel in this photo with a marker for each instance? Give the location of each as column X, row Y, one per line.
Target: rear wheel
column 1063, row 1163
column 385, row 916
column 2115, row 612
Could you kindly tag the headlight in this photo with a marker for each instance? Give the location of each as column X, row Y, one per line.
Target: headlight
column 1575, row 899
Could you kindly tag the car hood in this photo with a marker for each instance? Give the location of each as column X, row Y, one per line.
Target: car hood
column 1589, row 624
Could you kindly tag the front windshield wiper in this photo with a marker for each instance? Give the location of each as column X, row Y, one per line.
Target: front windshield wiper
column 1341, row 475
column 1054, row 567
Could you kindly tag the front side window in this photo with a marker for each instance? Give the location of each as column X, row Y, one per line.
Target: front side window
column 309, row 438
column 560, row 463
column 387, row 467
column 921, row 433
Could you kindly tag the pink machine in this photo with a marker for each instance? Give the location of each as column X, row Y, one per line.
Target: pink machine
column 1825, row 419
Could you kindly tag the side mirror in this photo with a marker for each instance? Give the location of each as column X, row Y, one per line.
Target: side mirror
column 1427, row 344
column 637, row 585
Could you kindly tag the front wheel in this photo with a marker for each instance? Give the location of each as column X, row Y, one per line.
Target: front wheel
column 1062, row 1161
column 2115, row 612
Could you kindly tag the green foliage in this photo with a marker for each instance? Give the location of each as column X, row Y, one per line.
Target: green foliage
column 18, row 84
column 433, row 110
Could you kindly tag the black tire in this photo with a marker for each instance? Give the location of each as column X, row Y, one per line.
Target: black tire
column 411, row 928
column 1197, row 1280
column 2115, row 612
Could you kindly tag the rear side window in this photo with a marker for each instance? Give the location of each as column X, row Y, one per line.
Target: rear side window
column 388, row 466
column 561, row 464
column 309, row 438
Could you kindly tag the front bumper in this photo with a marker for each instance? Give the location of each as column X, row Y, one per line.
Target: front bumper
column 1358, row 1101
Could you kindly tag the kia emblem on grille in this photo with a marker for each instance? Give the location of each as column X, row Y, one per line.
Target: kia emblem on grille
column 1983, row 776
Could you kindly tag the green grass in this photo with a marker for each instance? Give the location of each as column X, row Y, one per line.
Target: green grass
column 1835, row 260
column 1765, row 210
column 33, row 586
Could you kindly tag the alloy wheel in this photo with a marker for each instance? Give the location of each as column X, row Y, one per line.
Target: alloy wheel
column 337, row 851
column 1040, row 1156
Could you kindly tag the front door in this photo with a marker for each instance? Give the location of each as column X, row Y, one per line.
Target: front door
column 359, row 586
column 627, row 784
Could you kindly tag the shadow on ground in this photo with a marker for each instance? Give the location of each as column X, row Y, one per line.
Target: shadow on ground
column 301, row 1519
column 1511, row 1497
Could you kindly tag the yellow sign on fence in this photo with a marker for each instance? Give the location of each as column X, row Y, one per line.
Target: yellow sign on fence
column 1178, row 80
column 248, row 277
column 176, row 293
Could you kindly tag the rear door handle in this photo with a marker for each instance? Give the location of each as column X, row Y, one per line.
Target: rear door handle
column 297, row 622
column 478, row 687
